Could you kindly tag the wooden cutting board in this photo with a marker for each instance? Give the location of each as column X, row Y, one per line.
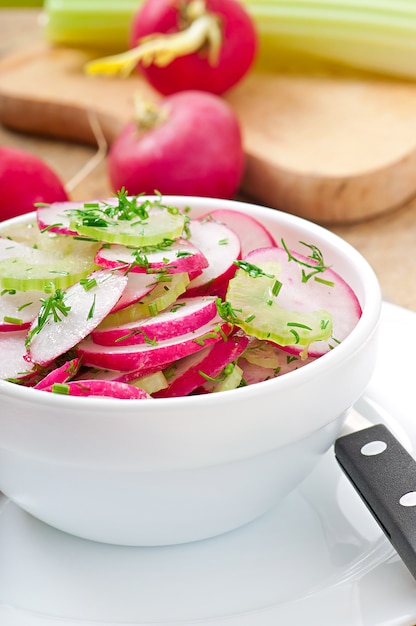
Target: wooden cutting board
column 334, row 149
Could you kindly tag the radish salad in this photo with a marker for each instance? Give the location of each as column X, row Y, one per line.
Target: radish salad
column 132, row 298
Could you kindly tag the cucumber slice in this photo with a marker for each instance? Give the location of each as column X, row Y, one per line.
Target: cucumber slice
column 162, row 296
column 160, row 225
column 259, row 313
column 24, row 275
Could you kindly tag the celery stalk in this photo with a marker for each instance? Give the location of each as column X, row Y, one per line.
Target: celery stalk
column 372, row 35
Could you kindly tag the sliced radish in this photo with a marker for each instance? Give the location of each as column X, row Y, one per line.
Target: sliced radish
column 55, row 217
column 251, row 232
column 87, row 304
column 61, row 374
column 138, row 286
column 97, row 373
column 284, row 297
column 142, row 356
column 221, row 246
column 13, row 363
column 98, row 388
column 184, row 316
column 306, row 291
column 163, row 295
column 178, row 256
column 150, row 380
column 192, row 372
column 18, row 309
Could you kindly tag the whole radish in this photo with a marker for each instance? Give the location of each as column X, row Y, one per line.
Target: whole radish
column 189, row 144
column 25, row 180
column 188, row 44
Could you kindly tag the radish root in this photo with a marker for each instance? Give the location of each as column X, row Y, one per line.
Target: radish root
column 203, row 33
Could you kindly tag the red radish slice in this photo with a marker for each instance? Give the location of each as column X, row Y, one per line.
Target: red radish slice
column 180, row 256
column 141, row 357
column 221, row 246
column 184, row 316
column 99, row 388
column 86, row 308
column 18, row 309
column 138, row 286
column 251, row 232
column 323, row 290
column 55, row 218
column 186, row 374
column 61, row 374
column 13, row 363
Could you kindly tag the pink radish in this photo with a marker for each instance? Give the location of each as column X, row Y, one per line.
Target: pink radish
column 251, row 232
column 138, row 286
column 195, row 44
column 13, row 363
column 25, row 180
column 80, row 309
column 55, row 217
column 191, row 146
column 184, row 316
column 175, row 257
column 18, row 309
column 142, row 356
column 98, row 388
column 61, row 374
column 221, row 246
column 192, row 371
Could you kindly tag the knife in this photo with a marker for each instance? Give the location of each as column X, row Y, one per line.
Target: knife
column 383, row 473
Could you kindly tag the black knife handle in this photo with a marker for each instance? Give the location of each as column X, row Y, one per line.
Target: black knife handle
column 386, row 481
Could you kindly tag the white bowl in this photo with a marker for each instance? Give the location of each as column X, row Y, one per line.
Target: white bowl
column 157, row 472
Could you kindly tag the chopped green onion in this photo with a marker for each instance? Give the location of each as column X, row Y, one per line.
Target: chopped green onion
column 12, row 320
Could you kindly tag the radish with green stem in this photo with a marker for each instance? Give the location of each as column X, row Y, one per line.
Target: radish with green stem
column 189, row 143
column 207, row 45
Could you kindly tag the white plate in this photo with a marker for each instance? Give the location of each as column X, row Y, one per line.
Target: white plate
column 320, row 559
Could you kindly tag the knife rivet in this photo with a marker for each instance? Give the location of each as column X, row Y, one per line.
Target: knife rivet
column 408, row 499
column 372, row 448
